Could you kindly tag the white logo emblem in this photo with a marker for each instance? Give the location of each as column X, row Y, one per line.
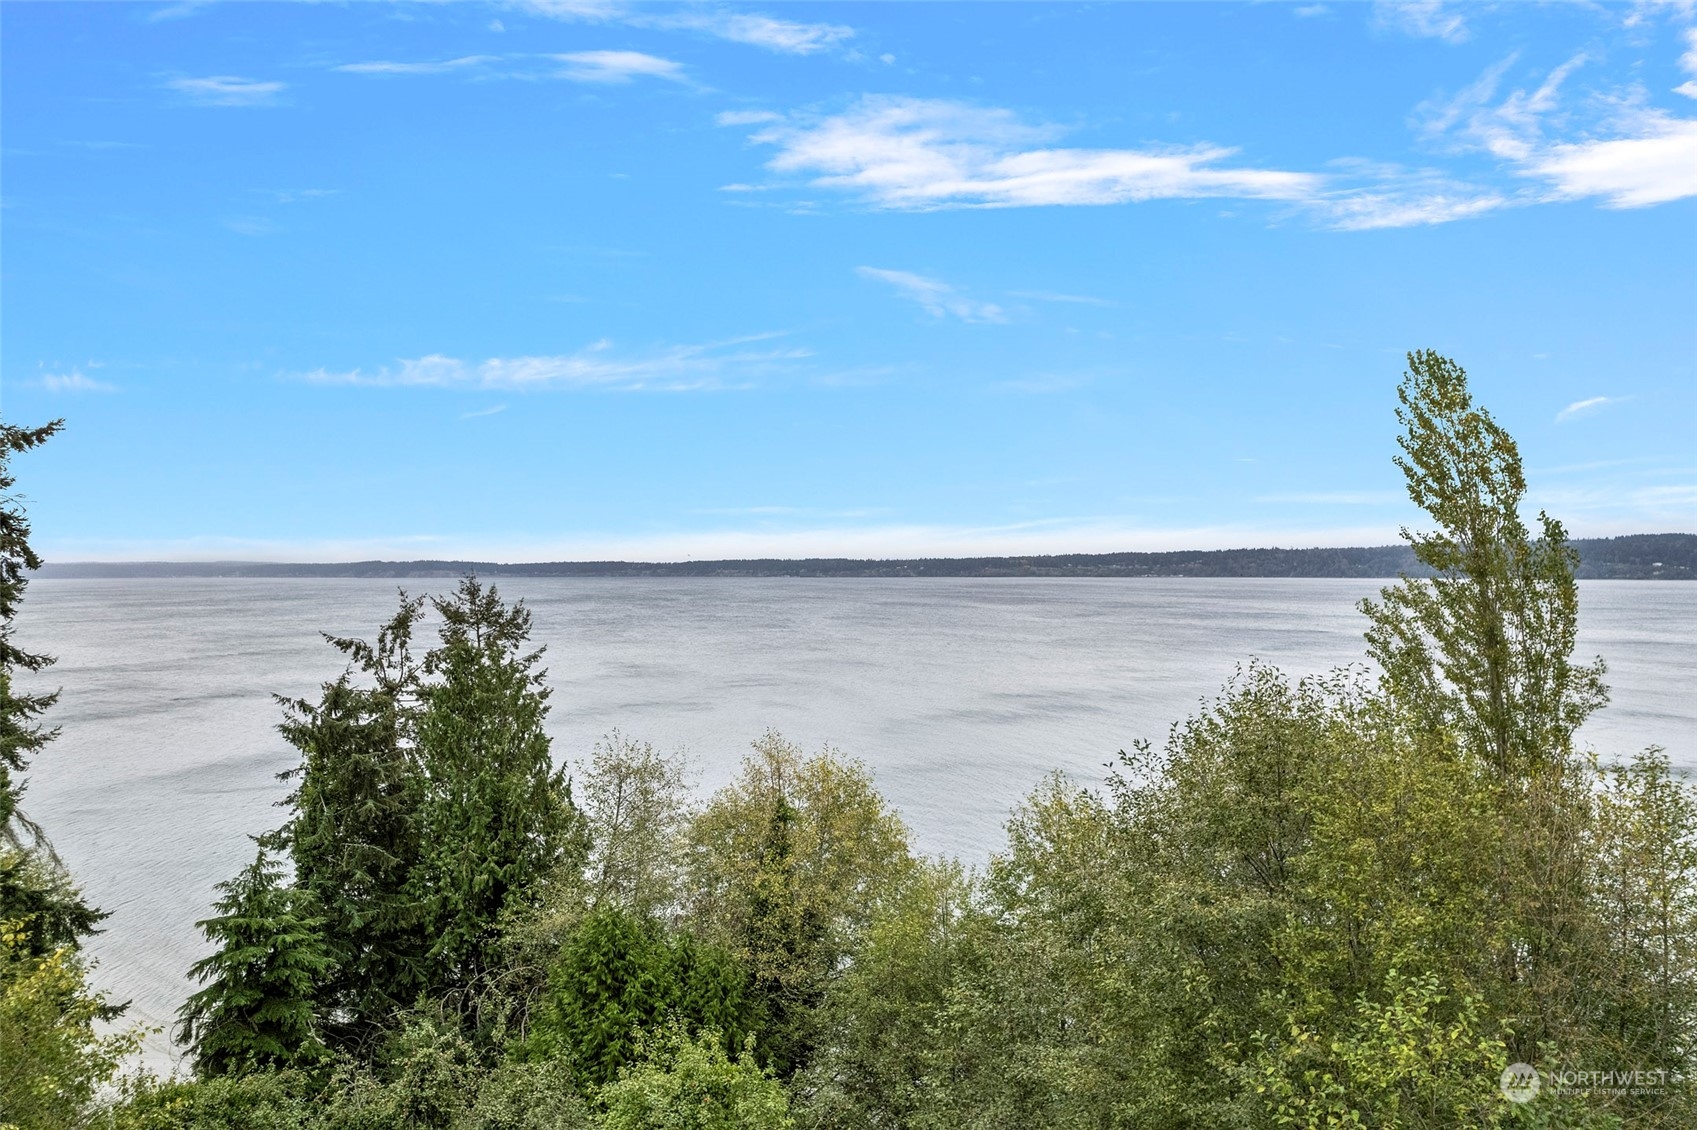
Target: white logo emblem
column 1520, row 1083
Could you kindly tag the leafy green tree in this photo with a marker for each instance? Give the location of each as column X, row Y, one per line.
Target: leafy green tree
column 787, row 866
column 256, row 1010
column 53, row 1059
column 635, row 800
column 1483, row 648
column 495, row 817
column 888, row 1051
column 692, row 1084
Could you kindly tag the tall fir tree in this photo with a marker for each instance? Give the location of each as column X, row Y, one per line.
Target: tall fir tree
column 354, row 836
column 257, row 1008
column 496, row 815
column 34, row 889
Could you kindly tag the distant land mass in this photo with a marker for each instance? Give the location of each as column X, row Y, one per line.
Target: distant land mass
column 1633, row 557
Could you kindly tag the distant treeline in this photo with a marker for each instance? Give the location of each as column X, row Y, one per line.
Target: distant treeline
column 1632, row 557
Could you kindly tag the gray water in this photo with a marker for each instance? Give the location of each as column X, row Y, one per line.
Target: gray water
column 960, row 695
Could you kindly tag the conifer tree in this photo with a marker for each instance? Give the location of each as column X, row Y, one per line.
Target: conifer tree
column 256, row 1010
column 354, row 836
column 34, row 889
column 496, row 815
column 22, row 735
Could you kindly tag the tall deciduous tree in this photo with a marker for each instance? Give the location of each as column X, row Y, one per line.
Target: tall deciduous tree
column 1485, row 647
column 788, row 865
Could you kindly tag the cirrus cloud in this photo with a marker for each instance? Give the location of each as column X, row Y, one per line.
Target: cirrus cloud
column 227, row 90
column 678, row 368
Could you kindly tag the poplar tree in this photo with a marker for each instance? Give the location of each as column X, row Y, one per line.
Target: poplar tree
column 1484, row 647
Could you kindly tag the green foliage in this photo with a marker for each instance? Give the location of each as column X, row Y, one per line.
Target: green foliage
column 52, row 1059
column 1483, row 649
column 620, row 976
column 1417, row 1056
column 256, row 1010
column 636, row 805
column 264, row 1100
column 692, row 1084
column 354, row 836
column 495, row 817
column 22, row 735
column 787, row 866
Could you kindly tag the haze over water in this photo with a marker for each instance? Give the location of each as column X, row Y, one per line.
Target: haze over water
column 960, row 694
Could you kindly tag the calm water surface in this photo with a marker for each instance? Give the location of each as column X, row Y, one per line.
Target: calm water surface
column 960, row 694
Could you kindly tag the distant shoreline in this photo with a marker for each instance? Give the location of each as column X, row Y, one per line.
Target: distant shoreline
column 1631, row 557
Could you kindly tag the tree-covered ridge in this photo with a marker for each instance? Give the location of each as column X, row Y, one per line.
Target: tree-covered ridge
column 1360, row 900
column 1645, row 557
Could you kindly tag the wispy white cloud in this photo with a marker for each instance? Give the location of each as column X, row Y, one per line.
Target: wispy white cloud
column 1586, row 407
column 1630, row 156
column 481, row 412
column 790, row 37
column 1074, row 299
column 815, row 538
column 747, row 117
column 73, row 382
column 617, row 66
column 1688, row 64
column 787, row 37
column 938, row 298
column 227, row 90
column 1425, row 19
column 915, row 153
column 250, row 225
column 1655, row 166
column 383, row 67
column 1040, row 385
column 918, row 154
column 680, row 368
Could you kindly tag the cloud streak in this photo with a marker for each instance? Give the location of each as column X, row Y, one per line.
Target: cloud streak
column 227, row 90
column 936, row 297
column 617, row 66
column 1631, row 156
column 1586, row 407
column 918, row 154
column 437, row 68
column 914, row 154
column 786, row 37
column 74, row 382
column 681, row 368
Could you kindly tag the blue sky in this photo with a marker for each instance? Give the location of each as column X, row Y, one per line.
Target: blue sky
column 563, row 280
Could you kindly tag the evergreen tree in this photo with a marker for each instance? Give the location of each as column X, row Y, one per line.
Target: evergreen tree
column 495, row 817
column 22, row 734
column 34, row 890
column 621, row 975
column 256, row 1010
column 354, row 836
